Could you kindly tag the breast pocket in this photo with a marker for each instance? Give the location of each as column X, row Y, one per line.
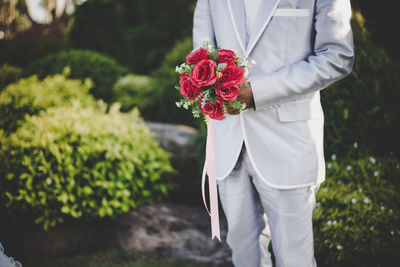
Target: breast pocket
column 292, row 12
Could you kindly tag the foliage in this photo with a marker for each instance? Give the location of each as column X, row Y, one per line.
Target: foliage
column 165, row 94
column 22, row 51
column 357, row 219
column 75, row 161
column 364, row 106
column 30, row 96
column 137, row 33
column 102, row 70
column 134, row 91
column 8, row 74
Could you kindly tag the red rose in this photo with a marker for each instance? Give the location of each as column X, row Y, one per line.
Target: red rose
column 227, row 92
column 214, row 111
column 226, row 56
column 232, row 75
column 203, row 73
column 197, row 55
column 186, row 87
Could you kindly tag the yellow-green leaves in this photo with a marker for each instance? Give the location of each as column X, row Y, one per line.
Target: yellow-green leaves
column 77, row 160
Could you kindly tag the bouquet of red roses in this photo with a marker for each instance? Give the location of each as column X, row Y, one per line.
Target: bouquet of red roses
column 210, row 81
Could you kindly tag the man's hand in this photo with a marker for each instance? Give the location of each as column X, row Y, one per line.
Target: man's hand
column 245, row 97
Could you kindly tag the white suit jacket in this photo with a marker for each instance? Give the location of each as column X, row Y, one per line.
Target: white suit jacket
column 300, row 47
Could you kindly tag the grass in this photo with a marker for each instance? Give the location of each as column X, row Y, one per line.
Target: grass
column 108, row 258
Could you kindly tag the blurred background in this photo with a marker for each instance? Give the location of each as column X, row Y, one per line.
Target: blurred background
column 99, row 168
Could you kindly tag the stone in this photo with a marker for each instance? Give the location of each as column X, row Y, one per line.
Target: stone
column 6, row 261
column 173, row 231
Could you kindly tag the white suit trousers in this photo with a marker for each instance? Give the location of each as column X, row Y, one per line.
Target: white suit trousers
column 245, row 198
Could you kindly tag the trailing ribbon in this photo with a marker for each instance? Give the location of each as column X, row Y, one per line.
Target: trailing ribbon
column 210, row 165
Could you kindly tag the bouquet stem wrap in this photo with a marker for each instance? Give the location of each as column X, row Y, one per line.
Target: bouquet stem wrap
column 210, row 165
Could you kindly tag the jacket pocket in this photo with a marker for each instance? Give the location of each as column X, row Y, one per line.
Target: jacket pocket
column 298, row 111
column 291, row 12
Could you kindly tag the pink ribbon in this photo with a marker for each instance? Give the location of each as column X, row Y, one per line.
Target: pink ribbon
column 210, row 165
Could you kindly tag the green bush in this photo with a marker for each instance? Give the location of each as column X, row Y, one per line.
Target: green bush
column 364, row 106
column 30, row 96
column 138, row 33
column 23, row 50
column 8, row 74
column 165, row 96
column 102, row 70
column 74, row 161
column 134, row 91
column 357, row 219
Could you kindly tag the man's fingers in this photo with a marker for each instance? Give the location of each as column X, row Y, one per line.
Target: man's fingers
column 232, row 111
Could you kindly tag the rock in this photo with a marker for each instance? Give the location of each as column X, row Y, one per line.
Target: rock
column 6, row 261
column 173, row 137
column 173, row 231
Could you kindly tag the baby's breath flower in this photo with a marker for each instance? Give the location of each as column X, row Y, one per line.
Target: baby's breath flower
column 348, row 168
column 376, row 173
column 339, row 247
column 382, row 207
column 353, row 200
column 366, row 200
column 372, row 159
column 329, row 165
column 333, row 157
column 355, row 144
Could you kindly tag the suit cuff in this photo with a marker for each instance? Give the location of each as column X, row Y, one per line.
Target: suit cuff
column 262, row 90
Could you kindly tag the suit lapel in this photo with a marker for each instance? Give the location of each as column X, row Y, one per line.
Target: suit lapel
column 238, row 19
column 264, row 15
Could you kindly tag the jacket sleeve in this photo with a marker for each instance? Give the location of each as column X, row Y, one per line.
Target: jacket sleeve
column 331, row 60
column 202, row 24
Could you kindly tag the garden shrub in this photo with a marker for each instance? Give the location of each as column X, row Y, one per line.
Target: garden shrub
column 364, row 106
column 138, row 33
column 102, row 70
column 23, row 50
column 165, row 96
column 134, row 91
column 8, row 74
column 357, row 219
column 80, row 162
column 30, row 96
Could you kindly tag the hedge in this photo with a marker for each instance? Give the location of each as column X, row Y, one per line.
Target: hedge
column 8, row 74
column 30, row 96
column 357, row 219
column 102, row 70
column 134, row 91
column 75, row 161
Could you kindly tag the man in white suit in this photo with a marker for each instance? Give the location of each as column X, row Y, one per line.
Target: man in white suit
column 270, row 157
